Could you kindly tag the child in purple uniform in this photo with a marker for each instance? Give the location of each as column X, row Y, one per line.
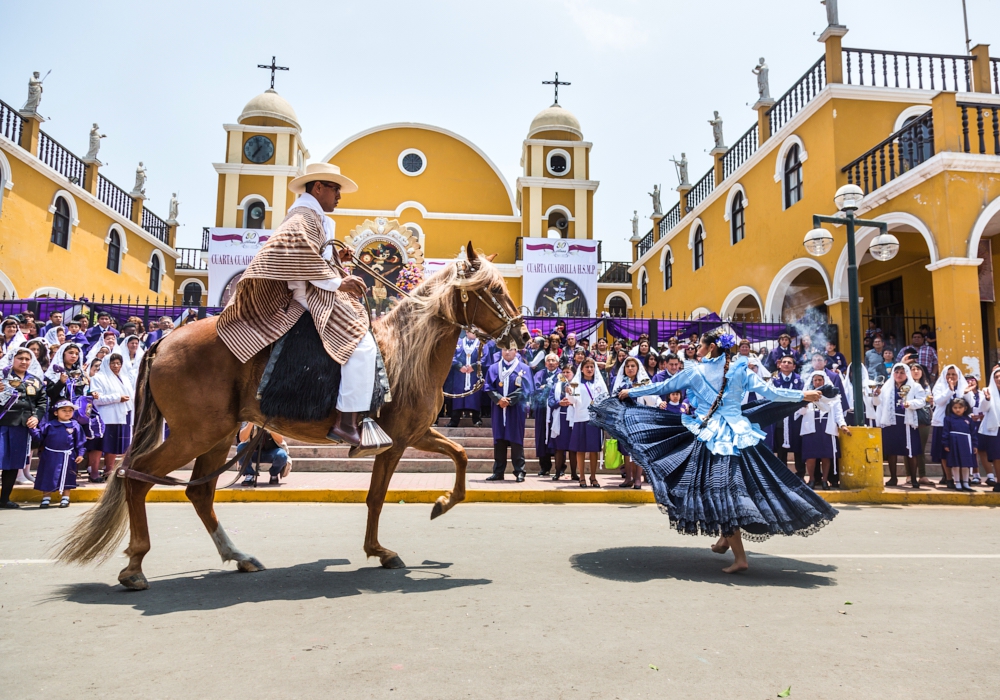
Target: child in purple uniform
column 959, row 440
column 60, row 449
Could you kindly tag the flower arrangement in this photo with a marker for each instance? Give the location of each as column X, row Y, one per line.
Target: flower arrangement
column 727, row 341
column 411, row 274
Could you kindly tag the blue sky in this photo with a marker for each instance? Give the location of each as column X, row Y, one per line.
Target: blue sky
column 161, row 78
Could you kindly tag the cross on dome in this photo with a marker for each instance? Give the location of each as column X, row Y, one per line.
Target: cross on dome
column 556, row 83
column 274, row 67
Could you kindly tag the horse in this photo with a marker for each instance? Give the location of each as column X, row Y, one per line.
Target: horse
column 194, row 383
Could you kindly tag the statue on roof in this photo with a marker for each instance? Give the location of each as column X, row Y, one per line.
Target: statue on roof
column 635, row 224
column 763, row 86
column 657, row 205
column 682, row 170
column 34, row 93
column 95, row 142
column 832, row 15
column 140, row 181
column 174, row 204
column 717, row 131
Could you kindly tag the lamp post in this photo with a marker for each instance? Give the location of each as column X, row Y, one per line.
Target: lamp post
column 883, row 247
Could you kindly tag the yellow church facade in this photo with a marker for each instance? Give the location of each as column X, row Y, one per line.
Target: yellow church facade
column 920, row 134
column 436, row 183
column 67, row 230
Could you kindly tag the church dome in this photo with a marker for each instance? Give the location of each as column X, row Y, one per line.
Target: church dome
column 271, row 105
column 555, row 118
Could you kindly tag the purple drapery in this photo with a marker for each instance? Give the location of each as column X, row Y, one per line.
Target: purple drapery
column 759, row 331
column 581, row 326
column 44, row 307
column 703, row 324
column 630, row 328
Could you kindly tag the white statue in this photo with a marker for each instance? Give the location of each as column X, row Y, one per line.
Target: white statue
column 763, row 86
column 682, row 170
column 174, row 204
column 717, row 131
column 95, row 143
column 657, row 206
column 34, row 93
column 140, row 181
column 832, row 18
column 635, row 223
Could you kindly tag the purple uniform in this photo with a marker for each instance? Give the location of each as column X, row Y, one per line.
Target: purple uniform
column 59, row 446
column 513, row 381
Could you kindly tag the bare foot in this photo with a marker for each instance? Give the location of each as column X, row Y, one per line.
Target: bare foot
column 736, row 567
column 720, row 547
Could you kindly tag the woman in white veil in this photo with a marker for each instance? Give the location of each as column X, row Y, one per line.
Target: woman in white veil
column 896, row 404
column 989, row 441
column 115, row 405
column 587, row 438
column 131, row 356
column 632, row 374
column 821, row 422
column 107, row 340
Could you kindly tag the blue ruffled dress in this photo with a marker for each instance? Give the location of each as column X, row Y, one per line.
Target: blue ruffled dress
column 711, row 479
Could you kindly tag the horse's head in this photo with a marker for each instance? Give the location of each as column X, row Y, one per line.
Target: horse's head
column 483, row 304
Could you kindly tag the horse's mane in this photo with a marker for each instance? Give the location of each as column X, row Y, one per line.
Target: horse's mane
column 409, row 334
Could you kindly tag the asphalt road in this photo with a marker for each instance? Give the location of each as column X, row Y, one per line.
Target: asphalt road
column 507, row 601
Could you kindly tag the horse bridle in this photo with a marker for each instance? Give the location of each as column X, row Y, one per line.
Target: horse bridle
column 494, row 306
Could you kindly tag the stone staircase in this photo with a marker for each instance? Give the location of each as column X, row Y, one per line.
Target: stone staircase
column 478, row 444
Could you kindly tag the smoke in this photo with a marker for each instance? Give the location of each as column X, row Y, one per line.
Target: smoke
column 815, row 325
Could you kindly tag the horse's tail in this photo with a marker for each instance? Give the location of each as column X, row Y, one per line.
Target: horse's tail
column 98, row 532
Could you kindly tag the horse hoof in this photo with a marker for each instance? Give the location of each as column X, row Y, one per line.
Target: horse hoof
column 135, row 582
column 393, row 562
column 437, row 510
column 250, row 565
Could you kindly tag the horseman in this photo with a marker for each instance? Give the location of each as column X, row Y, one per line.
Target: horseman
column 289, row 279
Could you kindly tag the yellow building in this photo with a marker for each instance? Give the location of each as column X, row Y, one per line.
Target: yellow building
column 919, row 133
column 65, row 229
column 436, row 183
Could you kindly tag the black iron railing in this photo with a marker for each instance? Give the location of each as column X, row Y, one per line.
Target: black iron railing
column 204, row 239
column 60, row 159
column 11, row 123
column 114, row 196
column 155, row 225
column 984, row 121
column 901, row 325
column 701, row 190
column 902, row 151
column 670, row 219
column 903, row 69
column 646, row 243
column 798, row 96
column 190, row 259
column 740, row 151
column 614, row 272
column 995, row 75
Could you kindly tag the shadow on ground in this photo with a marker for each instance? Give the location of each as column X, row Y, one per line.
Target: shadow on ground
column 213, row 590
column 642, row 564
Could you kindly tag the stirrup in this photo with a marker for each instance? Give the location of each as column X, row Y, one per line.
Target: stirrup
column 374, row 440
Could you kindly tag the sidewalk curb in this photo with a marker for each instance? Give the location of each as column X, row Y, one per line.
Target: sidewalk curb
column 621, row 497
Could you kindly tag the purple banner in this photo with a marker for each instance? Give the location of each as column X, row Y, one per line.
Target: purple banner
column 630, row 328
column 545, row 324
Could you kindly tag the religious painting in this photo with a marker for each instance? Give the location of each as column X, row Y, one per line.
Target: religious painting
column 392, row 251
column 561, row 297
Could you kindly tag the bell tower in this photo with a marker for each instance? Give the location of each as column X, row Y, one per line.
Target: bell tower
column 555, row 192
column 264, row 150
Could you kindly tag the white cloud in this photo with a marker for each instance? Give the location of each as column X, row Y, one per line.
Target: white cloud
column 605, row 29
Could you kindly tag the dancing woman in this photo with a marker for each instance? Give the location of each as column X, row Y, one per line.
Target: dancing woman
column 708, row 470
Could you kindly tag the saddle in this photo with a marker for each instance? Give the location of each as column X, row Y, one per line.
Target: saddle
column 301, row 382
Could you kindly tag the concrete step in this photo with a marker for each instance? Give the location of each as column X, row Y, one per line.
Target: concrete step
column 406, row 465
column 341, row 451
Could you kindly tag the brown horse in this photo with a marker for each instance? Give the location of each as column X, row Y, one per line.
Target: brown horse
column 203, row 392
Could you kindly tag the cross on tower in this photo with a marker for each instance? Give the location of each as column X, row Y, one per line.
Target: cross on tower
column 557, row 83
column 275, row 67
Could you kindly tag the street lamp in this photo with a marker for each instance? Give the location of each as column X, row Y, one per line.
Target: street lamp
column 883, row 247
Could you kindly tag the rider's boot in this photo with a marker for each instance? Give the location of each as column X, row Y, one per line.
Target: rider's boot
column 346, row 429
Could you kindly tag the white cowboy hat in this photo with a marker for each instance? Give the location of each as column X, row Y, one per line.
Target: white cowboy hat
column 325, row 172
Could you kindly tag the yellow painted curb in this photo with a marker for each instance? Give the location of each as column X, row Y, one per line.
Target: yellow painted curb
column 623, row 496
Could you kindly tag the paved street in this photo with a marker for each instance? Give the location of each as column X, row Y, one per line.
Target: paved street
column 508, row 601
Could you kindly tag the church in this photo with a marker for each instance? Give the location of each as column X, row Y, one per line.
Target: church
column 436, row 187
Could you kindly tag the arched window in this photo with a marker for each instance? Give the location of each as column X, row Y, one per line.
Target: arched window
column 253, row 214
column 154, row 273
column 737, row 219
column 644, row 289
column 793, row 176
column 60, row 224
column 668, row 272
column 699, row 248
column 192, row 294
column 114, row 251
column 617, row 307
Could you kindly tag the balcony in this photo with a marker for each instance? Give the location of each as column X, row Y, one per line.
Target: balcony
column 190, row 259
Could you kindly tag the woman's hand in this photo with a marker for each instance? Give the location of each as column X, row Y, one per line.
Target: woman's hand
column 124, row 399
column 31, row 422
column 812, row 395
column 845, row 430
column 78, row 460
column 95, row 395
column 877, row 391
column 986, row 393
column 504, row 402
column 662, row 405
column 565, row 402
column 623, row 394
column 63, row 377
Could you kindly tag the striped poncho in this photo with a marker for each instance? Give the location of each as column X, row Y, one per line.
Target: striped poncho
column 263, row 309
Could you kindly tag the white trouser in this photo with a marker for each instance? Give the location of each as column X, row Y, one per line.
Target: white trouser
column 357, row 377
